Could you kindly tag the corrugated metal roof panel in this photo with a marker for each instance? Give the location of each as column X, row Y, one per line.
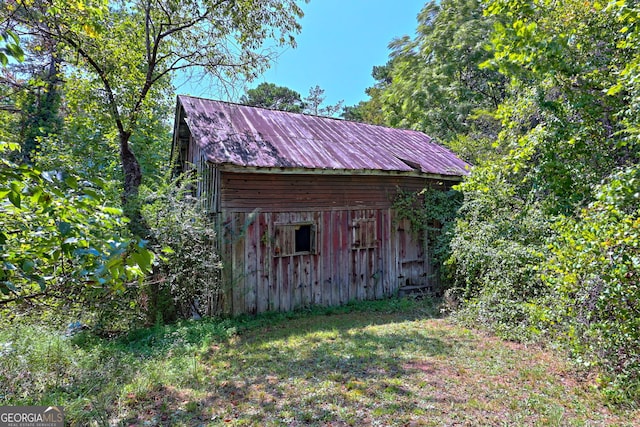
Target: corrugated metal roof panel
column 259, row 137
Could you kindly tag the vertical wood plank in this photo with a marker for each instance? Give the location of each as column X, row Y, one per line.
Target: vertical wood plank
column 344, row 264
column 276, row 285
column 285, row 285
column 226, row 250
column 305, row 270
column 263, row 255
column 296, row 283
column 336, row 297
column 326, row 259
column 373, row 274
column 381, row 271
column 237, row 262
column 393, row 254
column 355, row 284
column 316, row 278
column 290, row 284
column 251, row 265
column 306, row 280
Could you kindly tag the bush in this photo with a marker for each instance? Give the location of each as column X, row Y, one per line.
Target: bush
column 498, row 245
column 187, row 281
column 595, row 275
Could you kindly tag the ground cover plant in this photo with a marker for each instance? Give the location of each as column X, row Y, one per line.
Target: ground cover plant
column 393, row 362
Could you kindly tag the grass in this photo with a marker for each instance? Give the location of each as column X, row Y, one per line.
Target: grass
column 377, row 363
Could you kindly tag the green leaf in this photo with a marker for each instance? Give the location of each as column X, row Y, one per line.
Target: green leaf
column 15, row 198
column 72, row 182
column 167, row 250
column 64, row 228
column 4, row 286
column 28, row 266
column 112, row 211
column 91, row 193
column 16, row 186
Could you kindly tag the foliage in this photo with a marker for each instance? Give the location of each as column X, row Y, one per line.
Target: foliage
column 60, row 244
column 534, row 241
column 498, row 243
column 432, row 82
column 436, row 80
column 10, row 47
column 595, row 274
column 87, row 144
column 132, row 48
column 432, row 213
column 314, row 103
column 189, row 268
column 39, row 104
column 370, row 111
column 269, row 95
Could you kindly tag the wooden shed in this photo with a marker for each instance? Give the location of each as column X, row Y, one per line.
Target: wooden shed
column 304, row 203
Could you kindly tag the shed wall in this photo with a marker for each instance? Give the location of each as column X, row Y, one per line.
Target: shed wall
column 299, row 192
column 337, row 272
column 361, row 250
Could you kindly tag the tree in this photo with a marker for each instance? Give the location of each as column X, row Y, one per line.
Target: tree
column 60, row 241
column 313, row 103
column 38, row 101
column 433, row 82
column 547, row 242
column 371, row 110
column 130, row 47
column 269, row 95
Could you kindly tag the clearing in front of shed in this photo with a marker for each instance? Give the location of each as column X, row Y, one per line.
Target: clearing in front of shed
column 378, row 363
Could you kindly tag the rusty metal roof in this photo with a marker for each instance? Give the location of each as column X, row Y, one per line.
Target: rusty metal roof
column 257, row 137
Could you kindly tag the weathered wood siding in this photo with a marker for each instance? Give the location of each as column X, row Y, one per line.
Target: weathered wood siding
column 273, row 192
column 337, row 271
column 359, row 250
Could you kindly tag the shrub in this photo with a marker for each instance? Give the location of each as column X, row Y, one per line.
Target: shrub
column 595, row 275
column 499, row 242
column 63, row 250
column 187, row 281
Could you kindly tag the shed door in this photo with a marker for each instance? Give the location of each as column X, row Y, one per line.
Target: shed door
column 412, row 262
column 365, row 268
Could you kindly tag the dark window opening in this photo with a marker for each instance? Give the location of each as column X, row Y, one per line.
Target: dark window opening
column 294, row 239
column 303, row 238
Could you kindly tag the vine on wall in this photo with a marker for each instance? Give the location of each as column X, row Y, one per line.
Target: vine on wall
column 432, row 213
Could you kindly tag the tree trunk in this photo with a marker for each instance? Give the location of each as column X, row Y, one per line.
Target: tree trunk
column 132, row 180
column 130, row 168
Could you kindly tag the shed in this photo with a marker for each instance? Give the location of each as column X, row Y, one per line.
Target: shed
column 304, row 203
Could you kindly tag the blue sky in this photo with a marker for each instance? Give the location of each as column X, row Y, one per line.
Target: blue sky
column 340, row 42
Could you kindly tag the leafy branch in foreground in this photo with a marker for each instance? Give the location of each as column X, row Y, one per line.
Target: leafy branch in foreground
column 60, row 242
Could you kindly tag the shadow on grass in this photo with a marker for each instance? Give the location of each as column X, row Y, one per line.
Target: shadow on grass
column 159, row 340
column 324, row 373
column 309, row 367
